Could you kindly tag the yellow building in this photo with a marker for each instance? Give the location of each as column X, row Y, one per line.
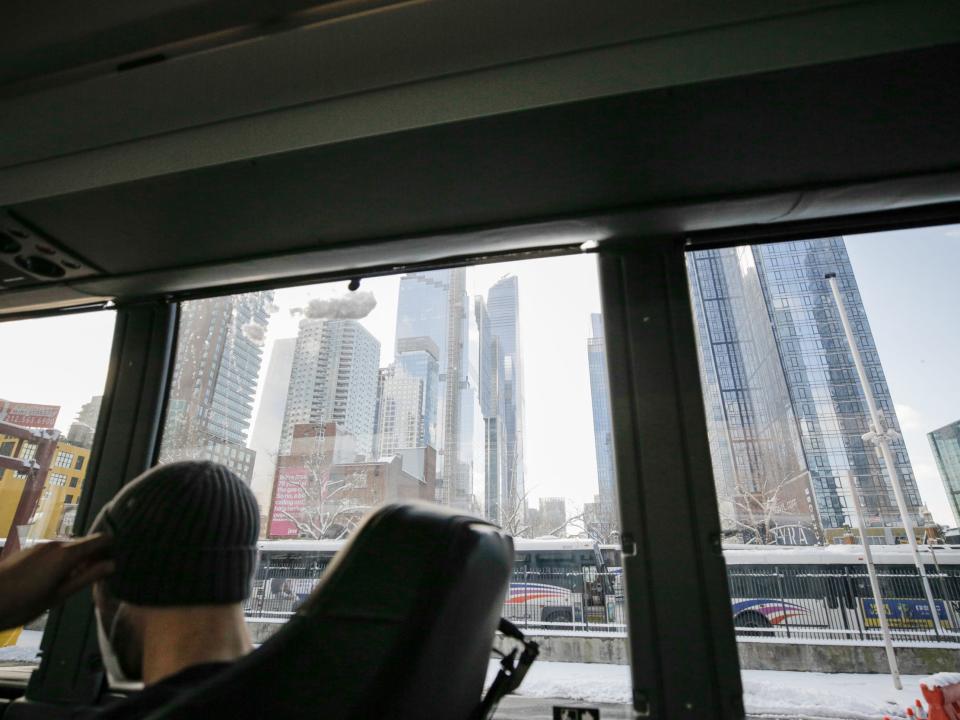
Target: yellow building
column 61, row 493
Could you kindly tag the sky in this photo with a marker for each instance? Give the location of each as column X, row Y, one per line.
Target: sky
column 56, row 360
column 908, row 280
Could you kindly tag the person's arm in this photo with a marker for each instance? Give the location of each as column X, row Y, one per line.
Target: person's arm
column 35, row 580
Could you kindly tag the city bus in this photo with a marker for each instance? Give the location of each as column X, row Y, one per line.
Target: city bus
column 557, row 582
column 824, row 592
column 184, row 182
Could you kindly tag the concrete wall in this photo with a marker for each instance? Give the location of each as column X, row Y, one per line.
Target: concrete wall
column 845, row 658
column 753, row 655
column 577, row 648
column 260, row 630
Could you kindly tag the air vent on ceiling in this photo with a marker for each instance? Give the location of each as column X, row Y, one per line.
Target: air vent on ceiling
column 29, row 258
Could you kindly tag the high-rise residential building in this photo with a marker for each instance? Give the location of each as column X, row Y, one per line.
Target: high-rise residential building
column 84, row 427
column 418, row 357
column 268, row 426
column 400, row 411
column 215, row 376
column 602, row 420
column 945, row 443
column 333, row 378
column 434, row 306
column 785, row 410
column 503, row 307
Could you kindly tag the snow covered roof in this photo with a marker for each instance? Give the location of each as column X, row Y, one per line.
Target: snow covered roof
column 836, row 554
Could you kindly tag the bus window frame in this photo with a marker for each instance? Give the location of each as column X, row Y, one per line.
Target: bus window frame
column 128, row 427
column 660, row 431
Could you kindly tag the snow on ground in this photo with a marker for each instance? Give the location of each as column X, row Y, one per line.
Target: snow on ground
column 27, row 649
column 846, row 696
column 766, row 693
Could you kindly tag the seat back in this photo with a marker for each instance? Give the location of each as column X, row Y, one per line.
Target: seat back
column 401, row 626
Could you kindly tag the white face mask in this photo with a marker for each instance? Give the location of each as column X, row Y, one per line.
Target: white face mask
column 111, row 663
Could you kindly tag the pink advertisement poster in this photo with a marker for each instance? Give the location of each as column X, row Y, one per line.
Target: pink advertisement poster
column 288, row 500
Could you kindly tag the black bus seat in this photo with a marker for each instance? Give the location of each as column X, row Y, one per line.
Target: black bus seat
column 401, row 626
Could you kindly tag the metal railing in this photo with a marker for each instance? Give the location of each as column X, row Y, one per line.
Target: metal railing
column 535, row 600
column 775, row 603
column 791, row 602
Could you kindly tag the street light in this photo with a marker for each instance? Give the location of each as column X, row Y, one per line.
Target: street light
column 881, row 435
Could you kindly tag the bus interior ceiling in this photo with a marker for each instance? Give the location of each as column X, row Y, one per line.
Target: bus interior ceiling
column 199, row 147
column 187, row 172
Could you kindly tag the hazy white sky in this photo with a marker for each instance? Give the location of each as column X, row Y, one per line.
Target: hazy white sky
column 56, row 360
column 908, row 280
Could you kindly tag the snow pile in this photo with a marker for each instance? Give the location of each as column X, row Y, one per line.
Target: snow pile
column 819, row 695
column 19, row 655
column 573, row 681
column 941, row 680
column 766, row 693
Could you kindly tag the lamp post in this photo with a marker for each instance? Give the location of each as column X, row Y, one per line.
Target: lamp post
column 881, row 435
column 875, row 585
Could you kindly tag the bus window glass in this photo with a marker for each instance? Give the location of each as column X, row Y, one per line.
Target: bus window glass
column 54, row 370
column 800, row 435
column 483, row 388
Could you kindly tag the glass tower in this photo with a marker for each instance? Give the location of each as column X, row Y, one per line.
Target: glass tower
column 602, row 423
column 503, row 307
column 433, row 312
column 784, row 406
column 945, row 443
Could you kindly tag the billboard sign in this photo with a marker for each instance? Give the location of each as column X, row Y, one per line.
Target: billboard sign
column 29, row 414
column 289, row 501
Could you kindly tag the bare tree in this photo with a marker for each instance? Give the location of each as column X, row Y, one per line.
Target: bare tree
column 333, row 504
column 600, row 523
column 513, row 515
column 755, row 512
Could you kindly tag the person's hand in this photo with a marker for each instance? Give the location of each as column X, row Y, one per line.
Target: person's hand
column 35, row 580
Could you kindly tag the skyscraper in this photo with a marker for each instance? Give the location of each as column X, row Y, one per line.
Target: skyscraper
column 215, row 376
column 268, row 425
column 490, row 366
column 434, row 306
column 333, row 378
column 503, row 306
column 602, row 421
column 784, row 407
column 945, row 443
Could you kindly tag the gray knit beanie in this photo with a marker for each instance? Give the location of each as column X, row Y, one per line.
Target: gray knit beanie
column 184, row 533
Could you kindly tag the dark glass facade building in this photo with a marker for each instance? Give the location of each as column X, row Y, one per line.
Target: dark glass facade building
column 945, row 443
column 785, row 409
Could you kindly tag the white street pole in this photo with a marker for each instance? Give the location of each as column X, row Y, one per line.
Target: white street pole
column 875, row 584
column 880, row 435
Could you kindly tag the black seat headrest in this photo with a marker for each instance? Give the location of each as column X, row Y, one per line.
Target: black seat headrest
column 401, row 626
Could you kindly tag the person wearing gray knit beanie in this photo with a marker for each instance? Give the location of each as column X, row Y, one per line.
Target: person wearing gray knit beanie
column 184, row 545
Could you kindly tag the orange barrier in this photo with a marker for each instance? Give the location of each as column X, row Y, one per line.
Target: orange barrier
column 943, row 703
